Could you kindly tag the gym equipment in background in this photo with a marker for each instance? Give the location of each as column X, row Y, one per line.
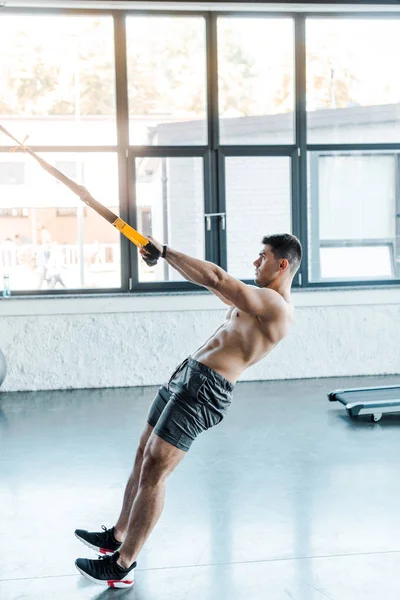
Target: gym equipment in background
column 373, row 401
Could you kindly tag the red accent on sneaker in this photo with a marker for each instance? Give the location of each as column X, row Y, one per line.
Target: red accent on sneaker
column 103, row 550
column 111, row 582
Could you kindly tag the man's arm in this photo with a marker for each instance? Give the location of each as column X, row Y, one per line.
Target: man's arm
column 200, row 272
column 254, row 301
column 258, row 302
column 220, row 296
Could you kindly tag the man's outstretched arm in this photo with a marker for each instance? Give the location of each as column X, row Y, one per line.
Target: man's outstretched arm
column 254, row 301
column 200, row 272
column 177, row 266
column 248, row 298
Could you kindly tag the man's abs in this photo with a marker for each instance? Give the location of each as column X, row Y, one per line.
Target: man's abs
column 235, row 346
column 224, row 363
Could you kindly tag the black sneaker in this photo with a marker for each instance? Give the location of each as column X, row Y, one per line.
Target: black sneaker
column 102, row 542
column 106, row 571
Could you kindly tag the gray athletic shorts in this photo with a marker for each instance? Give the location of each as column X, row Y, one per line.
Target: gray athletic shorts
column 195, row 399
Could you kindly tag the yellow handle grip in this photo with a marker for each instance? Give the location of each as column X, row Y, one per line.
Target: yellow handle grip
column 128, row 231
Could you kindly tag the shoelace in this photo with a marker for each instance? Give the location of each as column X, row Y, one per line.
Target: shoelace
column 107, row 567
column 107, row 531
column 110, row 558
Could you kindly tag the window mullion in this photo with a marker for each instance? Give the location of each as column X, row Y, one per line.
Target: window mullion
column 211, row 165
column 299, row 212
column 124, row 165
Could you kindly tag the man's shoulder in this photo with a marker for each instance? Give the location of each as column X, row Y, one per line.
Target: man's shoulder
column 278, row 312
column 272, row 297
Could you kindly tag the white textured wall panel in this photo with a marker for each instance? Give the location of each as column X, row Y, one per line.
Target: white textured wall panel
column 142, row 348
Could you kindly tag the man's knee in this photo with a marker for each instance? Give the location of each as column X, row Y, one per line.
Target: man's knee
column 159, row 460
column 153, row 470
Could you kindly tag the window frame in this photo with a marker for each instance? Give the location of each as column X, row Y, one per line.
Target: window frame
column 213, row 153
column 315, row 266
column 135, row 152
column 337, row 148
column 289, row 152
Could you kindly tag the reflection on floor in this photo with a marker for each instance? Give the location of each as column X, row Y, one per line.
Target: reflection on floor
column 286, row 499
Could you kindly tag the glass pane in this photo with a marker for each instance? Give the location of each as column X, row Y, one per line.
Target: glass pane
column 166, row 59
column 49, row 239
column 256, row 80
column 353, row 88
column 58, row 79
column 258, row 203
column 352, row 216
column 356, row 261
column 170, row 207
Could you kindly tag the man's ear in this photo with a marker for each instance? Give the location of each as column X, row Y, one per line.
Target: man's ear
column 283, row 264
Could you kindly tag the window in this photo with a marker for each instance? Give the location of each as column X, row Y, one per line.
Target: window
column 353, row 208
column 256, row 80
column 353, row 127
column 166, row 61
column 353, row 88
column 355, row 261
column 170, row 189
column 258, row 193
column 58, row 83
column 223, row 137
column 73, row 252
column 58, row 79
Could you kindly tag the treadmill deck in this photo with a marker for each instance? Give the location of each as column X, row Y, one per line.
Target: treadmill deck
column 373, row 400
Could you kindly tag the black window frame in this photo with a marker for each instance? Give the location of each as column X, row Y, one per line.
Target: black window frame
column 392, row 243
column 309, row 149
column 213, row 153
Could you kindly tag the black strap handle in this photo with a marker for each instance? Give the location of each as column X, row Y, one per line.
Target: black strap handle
column 152, row 256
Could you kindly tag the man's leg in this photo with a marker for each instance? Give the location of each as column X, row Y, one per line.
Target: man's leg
column 121, row 526
column 159, row 460
column 109, row 540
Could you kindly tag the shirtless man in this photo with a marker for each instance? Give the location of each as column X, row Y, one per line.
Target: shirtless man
column 197, row 395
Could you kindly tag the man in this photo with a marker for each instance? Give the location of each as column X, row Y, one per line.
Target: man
column 197, row 394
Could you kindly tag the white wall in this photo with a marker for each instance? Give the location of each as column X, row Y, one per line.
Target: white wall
column 130, row 341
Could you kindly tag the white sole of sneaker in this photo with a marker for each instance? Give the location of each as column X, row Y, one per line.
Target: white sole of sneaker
column 98, row 550
column 114, row 583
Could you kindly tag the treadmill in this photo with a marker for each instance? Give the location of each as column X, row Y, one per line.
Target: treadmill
column 373, row 401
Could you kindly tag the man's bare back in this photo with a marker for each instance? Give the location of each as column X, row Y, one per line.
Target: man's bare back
column 244, row 339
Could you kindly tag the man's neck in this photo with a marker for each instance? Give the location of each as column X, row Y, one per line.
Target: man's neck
column 282, row 289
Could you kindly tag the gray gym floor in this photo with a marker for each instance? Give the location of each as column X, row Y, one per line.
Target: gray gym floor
column 287, row 499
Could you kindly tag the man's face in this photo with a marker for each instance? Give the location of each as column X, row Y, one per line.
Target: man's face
column 267, row 267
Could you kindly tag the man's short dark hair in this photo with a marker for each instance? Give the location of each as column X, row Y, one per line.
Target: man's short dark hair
column 285, row 245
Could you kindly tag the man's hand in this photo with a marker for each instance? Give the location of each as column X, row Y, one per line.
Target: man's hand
column 145, row 254
column 158, row 245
